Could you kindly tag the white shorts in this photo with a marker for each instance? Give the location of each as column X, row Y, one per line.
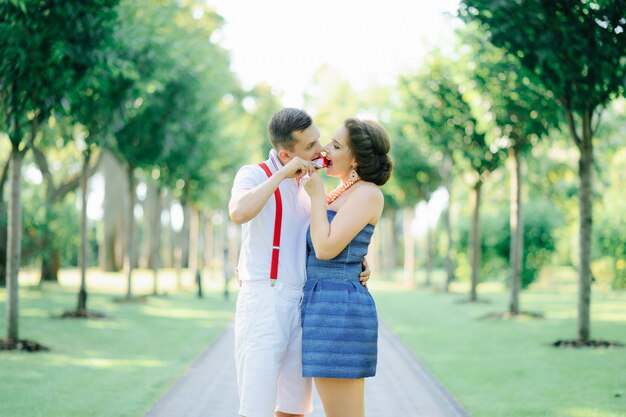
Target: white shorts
column 268, row 351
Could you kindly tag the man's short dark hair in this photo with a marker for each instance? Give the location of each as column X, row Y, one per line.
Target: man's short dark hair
column 284, row 123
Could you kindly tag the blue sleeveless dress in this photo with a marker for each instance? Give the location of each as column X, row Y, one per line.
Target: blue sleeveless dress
column 339, row 321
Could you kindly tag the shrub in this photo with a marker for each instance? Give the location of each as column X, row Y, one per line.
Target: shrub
column 541, row 219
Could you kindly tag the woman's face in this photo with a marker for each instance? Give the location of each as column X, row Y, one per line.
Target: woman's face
column 339, row 154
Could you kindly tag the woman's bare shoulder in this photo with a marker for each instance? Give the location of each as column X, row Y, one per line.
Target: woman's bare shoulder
column 370, row 189
column 369, row 192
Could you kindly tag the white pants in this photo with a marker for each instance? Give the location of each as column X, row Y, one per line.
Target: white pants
column 268, row 351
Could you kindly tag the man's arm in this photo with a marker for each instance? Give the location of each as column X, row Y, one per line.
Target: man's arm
column 245, row 204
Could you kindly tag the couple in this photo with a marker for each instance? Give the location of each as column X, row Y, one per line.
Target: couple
column 302, row 311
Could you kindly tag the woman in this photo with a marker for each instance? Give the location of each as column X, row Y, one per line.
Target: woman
column 339, row 322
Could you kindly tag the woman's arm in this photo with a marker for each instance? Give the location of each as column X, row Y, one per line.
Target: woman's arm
column 364, row 206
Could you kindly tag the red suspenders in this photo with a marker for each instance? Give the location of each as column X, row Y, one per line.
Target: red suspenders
column 277, row 226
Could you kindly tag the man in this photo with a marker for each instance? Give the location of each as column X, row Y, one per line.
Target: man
column 272, row 270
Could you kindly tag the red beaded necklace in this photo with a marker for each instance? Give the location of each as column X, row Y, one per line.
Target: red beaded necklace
column 334, row 194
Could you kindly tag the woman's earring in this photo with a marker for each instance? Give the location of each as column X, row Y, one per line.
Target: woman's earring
column 354, row 176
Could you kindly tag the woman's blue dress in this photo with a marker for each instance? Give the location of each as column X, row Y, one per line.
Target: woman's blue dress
column 339, row 321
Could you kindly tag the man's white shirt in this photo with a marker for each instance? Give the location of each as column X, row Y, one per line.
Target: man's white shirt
column 256, row 253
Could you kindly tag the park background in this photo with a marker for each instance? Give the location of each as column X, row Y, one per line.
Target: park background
column 504, row 234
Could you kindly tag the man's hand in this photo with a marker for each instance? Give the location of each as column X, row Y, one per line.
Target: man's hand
column 297, row 168
column 365, row 273
column 246, row 204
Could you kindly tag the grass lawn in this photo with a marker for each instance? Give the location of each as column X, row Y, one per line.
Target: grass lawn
column 121, row 365
column 118, row 366
column 507, row 368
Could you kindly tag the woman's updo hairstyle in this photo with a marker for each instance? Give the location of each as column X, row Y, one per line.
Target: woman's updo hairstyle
column 370, row 145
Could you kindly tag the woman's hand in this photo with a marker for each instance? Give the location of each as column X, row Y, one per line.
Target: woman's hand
column 314, row 185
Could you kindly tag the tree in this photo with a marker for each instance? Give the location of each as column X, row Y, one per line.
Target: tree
column 374, row 103
column 97, row 105
column 522, row 112
column 577, row 49
column 247, row 118
column 55, row 190
column 40, row 60
column 414, row 179
column 440, row 107
column 482, row 160
column 3, row 227
column 111, row 250
column 610, row 236
column 175, row 121
column 330, row 99
column 423, row 109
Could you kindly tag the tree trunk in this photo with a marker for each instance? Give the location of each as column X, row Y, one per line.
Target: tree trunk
column 388, row 252
column 409, row 248
column 177, row 257
column 3, row 247
column 226, row 269
column 50, row 265
column 517, row 230
column 475, row 248
column 208, row 241
column 585, row 201
column 194, row 239
column 395, row 238
column 185, row 233
column 50, row 257
column 130, row 238
column 14, row 233
column 449, row 264
column 149, row 212
column 174, row 237
column 151, row 218
column 3, row 227
column 167, row 232
column 82, row 258
column 114, row 219
column 4, row 177
column 155, row 242
column 429, row 248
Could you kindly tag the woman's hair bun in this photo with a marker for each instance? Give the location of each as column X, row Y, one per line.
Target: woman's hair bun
column 370, row 144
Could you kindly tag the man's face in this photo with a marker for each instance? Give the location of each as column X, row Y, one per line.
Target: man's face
column 307, row 145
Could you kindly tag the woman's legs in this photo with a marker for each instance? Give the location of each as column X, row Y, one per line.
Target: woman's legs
column 342, row 397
